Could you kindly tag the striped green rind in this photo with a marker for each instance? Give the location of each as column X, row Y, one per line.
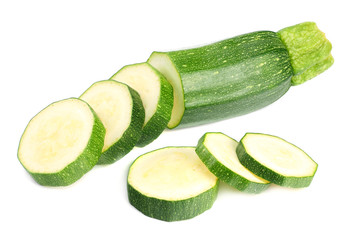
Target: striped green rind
column 309, row 50
column 259, row 169
column 172, row 210
column 84, row 162
column 231, row 77
column 159, row 120
column 130, row 137
column 224, row 173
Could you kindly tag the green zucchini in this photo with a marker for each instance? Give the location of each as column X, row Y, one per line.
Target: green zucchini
column 241, row 74
column 276, row 160
column 156, row 94
column 218, row 153
column 120, row 109
column 171, row 184
column 62, row 143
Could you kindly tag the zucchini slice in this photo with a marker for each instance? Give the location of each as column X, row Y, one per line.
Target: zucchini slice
column 276, row 160
column 171, row 184
column 120, row 109
column 156, row 94
column 218, row 153
column 61, row 143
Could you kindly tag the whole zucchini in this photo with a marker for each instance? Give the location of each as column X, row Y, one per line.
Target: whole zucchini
column 241, row 74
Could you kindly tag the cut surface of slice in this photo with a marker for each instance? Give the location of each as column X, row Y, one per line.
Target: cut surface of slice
column 156, row 94
column 171, row 184
column 218, row 152
column 62, row 142
column 276, row 160
column 120, row 109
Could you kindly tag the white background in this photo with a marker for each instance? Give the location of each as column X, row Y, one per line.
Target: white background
column 51, row 50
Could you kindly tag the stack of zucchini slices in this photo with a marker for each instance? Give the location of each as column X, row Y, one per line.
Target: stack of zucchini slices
column 69, row 137
column 173, row 184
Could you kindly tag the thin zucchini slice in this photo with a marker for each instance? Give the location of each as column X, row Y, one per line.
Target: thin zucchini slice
column 171, row 184
column 276, row 160
column 61, row 143
column 218, row 153
column 156, row 94
column 120, row 109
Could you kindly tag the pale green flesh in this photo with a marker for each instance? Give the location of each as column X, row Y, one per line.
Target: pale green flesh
column 173, row 173
column 112, row 102
column 56, row 136
column 278, row 155
column 223, row 148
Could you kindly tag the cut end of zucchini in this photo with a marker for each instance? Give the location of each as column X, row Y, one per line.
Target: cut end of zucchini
column 171, row 184
column 120, row 109
column 309, row 50
column 218, row 152
column 276, row 160
column 163, row 64
column 62, row 142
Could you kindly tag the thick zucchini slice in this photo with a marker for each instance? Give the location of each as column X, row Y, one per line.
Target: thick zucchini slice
column 276, row 160
column 218, row 153
column 171, row 184
column 120, row 109
column 156, row 94
column 61, row 143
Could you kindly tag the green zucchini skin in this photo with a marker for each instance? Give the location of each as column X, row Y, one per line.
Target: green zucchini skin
column 224, row 173
column 130, row 137
column 84, row 163
column 262, row 171
column 232, row 77
column 172, row 210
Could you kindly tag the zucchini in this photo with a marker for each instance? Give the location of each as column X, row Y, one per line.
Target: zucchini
column 218, row 153
column 156, row 94
column 276, row 160
column 241, row 74
column 61, row 143
column 120, row 109
column 171, row 184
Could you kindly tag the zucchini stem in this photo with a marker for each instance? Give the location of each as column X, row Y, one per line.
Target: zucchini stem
column 309, row 50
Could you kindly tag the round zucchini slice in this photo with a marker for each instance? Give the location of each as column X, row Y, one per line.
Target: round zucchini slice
column 276, row 160
column 171, row 184
column 120, row 108
column 61, row 143
column 218, row 153
column 156, row 94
